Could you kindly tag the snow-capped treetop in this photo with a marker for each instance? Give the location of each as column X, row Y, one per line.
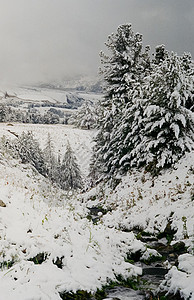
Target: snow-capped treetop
column 126, row 63
column 70, row 174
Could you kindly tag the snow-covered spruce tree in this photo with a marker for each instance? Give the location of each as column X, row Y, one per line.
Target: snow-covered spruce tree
column 126, row 67
column 70, row 174
column 50, row 118
column 50, row 160
column 168, row 125
column 188, row 66
column 29, row 151
column 160, row 54
column 86, row 116
column 3, row 113
column 132, row 131
column 127, row 134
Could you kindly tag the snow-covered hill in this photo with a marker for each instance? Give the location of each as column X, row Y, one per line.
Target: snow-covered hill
column 49, row 243
column 87, row 84
column 56, row 97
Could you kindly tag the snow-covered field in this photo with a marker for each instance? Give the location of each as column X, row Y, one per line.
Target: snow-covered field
column 36, row 218
column 35, row 95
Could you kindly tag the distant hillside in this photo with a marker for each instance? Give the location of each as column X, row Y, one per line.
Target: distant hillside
column 40, row 105
column 81, row 84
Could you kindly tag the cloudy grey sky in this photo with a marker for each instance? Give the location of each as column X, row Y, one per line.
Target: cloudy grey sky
column 45, row 40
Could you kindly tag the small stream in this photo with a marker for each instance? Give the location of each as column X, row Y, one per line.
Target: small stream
column 150, row 281
column 121, row 293
column 153, row 274
column 154, row 271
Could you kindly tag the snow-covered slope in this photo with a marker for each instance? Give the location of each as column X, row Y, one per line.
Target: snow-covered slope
column 22, row 97
column 87, row 84
column 48, row 245
column 168, row 197
column 150, row 205
column 80, row 140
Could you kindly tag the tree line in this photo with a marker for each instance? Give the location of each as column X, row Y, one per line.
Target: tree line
column 32, row 115
column 64, row 172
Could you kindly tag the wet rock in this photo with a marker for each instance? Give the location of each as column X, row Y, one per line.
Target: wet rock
column 2, row 204
column 59, row 262
column 134, row 256
column 148, row 239
column 172, row 257
column 168, row 232
column 96, row 212
column 120, row 292
column 179, row 248
column 164, row 249
column 170, row 252
column 107, row 298
column 169, row 296
column 156, row 271
column 39, row 258
column 79, row 295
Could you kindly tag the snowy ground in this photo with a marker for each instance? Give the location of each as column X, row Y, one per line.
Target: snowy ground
column 39, row 218
column 141, row 202
column 35, row 95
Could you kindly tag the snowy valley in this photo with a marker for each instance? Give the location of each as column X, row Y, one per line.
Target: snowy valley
column 97, row 190
column 54, row 242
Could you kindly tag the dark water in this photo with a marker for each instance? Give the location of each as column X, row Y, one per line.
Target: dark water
column 149, row 283
column 122, row 293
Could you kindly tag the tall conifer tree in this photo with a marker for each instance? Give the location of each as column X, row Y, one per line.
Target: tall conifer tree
column 122, row 70
column 70, row 177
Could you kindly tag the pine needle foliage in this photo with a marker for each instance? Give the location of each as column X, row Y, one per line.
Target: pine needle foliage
column 147, row 117
column 70, row 174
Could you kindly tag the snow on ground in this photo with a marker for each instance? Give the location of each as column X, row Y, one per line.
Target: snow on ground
column 39, row 219
column 46, row 95
column 80, row 140
column 168, row 197
column 93, row 97
column 43, row 95
column 182, row 278
column 150, row 204
column 35, row 95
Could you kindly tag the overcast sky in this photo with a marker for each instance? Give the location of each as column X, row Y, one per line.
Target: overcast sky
column 47, row 40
